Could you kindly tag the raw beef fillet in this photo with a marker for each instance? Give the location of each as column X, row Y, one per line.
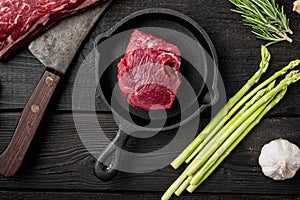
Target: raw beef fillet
column 22, row 20
column 148, row 73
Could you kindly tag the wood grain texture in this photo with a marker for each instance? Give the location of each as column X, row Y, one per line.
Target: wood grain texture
column 237, row 48
column 57, row 160
column 58, row 166
column 33, row 112
column 36, row 195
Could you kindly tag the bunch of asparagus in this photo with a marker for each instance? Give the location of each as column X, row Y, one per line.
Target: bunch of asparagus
column 233, row 122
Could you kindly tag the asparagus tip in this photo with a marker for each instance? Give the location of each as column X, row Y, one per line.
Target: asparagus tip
column 265, row 54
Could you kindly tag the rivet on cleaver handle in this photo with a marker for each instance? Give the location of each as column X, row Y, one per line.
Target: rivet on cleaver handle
column 11, row 158
column 55, row 49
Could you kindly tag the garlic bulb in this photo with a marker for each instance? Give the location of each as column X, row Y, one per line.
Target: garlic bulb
column 279, row 159
column 296, row 7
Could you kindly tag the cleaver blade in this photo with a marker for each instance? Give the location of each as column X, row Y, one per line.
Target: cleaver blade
column 55, row 49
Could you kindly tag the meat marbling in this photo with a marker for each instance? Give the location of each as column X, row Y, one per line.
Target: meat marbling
column 22, row 20
column 148, row 73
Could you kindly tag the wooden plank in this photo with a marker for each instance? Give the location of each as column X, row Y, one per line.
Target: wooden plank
column 237, row 49
column 37, row 195
column 57, row 160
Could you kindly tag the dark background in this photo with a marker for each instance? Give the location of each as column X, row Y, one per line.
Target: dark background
column 58, row 166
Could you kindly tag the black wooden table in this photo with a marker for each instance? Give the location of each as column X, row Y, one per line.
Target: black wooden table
column 58, row 166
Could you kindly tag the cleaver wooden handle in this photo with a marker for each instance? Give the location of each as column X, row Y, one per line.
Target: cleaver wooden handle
column 13, row 155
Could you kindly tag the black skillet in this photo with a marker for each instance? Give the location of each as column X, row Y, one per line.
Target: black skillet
column 198, row 69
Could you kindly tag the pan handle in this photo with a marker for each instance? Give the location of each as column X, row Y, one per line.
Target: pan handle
column 106, row 173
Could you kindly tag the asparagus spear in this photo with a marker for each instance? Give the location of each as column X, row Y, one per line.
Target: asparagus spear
column 183, row 186
column 243, row 133
column 223, row 134
column 240, row 133
column 265, row 56
column 251, row 102
column 210, row 162
column 176, row 184
column 283, row 71
column 184, row 179
column 291, row 77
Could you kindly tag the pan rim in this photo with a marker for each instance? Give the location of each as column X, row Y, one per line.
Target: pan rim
column 191, row 22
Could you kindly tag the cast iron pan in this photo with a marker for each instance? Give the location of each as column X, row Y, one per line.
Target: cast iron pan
column 198, row 71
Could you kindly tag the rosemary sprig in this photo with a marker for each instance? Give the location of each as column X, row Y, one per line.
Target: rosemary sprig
column 266, row 18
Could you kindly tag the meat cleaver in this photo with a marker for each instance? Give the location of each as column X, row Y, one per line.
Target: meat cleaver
column 55, row 49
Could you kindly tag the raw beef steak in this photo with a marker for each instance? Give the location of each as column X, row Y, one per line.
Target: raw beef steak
column 22, row 20
column 148, row 73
